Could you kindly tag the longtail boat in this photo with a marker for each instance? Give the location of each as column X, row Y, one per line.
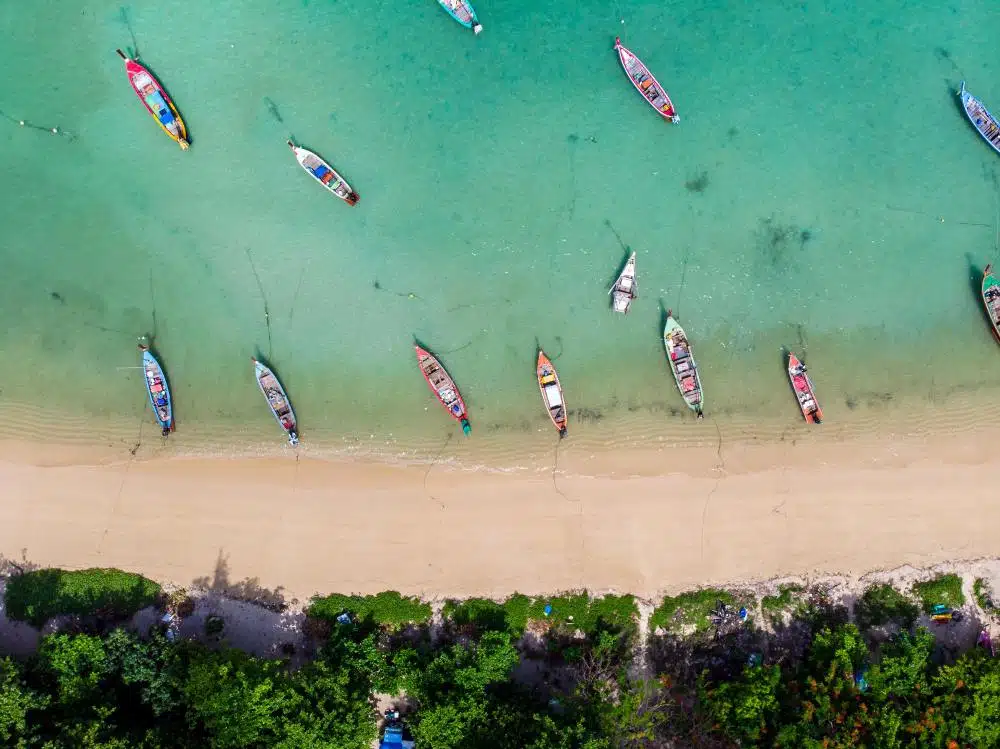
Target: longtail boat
column 804, row 390
column 981, row 119
column 552, row 393
column 624, row 289
column 443, row 386
column 159, row 391
column 682, row 364
column 323, row 173
column 645, row 83
column 277, row 400
column 155, row 99
column 991, row 299
column 463, row 12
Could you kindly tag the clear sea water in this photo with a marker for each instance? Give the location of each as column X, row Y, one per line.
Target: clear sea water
column 823, row 191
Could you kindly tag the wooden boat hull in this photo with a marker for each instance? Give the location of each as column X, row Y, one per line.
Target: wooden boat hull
column 156, row 101
column 443, row 387
column 624, row 289
column 645, row 83
column 277, row 400
column 985, row 123
column 158, row 390
column 804, row 391
column 552, row 393
column 991, row 299
column 322, row 172
column 463, row 12
column 683, row 365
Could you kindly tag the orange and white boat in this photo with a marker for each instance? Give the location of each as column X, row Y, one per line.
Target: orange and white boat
column 804, row 391
column 155, row 99
column 645, row 83
column 552, row 393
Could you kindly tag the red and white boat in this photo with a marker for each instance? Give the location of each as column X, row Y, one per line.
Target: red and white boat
column 552, row 392
column 155, row 99
column 645, row 83
column 804, row 390
column 443, row 386
column 323, row 173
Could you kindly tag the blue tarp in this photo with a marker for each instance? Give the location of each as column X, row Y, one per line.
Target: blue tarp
column 392, row 739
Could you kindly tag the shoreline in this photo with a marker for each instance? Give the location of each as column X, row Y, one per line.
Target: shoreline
column 52, row 438
column 650, row 520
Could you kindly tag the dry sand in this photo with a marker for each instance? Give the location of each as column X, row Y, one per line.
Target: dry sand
column 647, row 520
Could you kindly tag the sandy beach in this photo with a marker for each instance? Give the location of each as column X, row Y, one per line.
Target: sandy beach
column 647, row 520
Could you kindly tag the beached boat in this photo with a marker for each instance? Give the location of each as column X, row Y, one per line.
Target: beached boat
column 443, row 386
column 323, row 173
column 981, row 119
column 991, row 299
column 682, row 364
column 276, row 398
column 624, row 289
column 155, row 99
column 463, row 12
column 645, row 83
column 159, row 391
column 552, row 393
column 804, row 390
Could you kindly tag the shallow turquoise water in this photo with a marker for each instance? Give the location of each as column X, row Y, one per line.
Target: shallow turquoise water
column 822, row 191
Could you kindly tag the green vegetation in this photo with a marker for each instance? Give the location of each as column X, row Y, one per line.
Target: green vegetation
column 693, row 608
column 945, row 589
column 467, row 687
column 35, row 597
column 118, row 691
column 787, row 600
column 388, row 609
column 570, row 611
column 984, row 595
column 881, row 604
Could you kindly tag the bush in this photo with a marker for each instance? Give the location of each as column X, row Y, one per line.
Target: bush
column 693, row 608
column 35, row 597
column 571, row 610
column 388, row 609
column 788, row 599
column 946, row 589
column 480, row 614
column 984, row 595
column 881, row 604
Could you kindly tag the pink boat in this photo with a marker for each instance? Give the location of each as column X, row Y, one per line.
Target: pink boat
column 645, row 83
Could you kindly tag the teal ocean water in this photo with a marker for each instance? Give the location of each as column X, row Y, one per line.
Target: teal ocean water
column 823, row 191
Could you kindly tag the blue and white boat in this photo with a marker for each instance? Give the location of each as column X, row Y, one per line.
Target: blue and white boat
column 463, row 12
column 323, row 173
column 159, row 391
column 981, row 119
column 277, row 399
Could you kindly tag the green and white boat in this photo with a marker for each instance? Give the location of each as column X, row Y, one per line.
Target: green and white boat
column 991, row 299
column 682, row 364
